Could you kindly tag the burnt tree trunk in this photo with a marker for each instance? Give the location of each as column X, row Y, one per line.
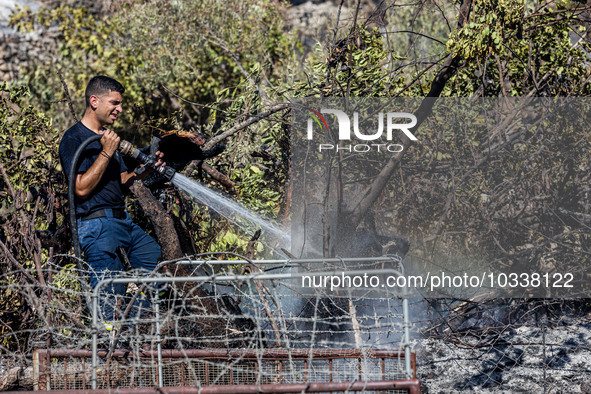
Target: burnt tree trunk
column 161, row 220
column 201, row 314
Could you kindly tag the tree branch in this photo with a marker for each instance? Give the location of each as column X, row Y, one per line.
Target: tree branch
column 253, row 119
column 448, row 70
column 221, row 178
column 233, row 130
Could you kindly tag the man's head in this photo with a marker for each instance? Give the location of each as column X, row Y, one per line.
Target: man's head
column 103, row 99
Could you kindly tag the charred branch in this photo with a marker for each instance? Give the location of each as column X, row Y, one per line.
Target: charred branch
column 220, row 177
column 163, row 224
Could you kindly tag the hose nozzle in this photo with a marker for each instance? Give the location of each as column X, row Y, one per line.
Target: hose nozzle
column 126, row 148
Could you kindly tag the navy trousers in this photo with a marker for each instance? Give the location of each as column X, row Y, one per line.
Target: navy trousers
column 99, row 239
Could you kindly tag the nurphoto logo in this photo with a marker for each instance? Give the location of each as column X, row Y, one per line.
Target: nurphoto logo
column 395, row 122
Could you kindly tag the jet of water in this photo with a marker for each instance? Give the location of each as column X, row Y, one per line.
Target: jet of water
column 232, row 211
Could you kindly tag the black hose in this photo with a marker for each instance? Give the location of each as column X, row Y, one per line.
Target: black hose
column 73, row 222
column 71, row 195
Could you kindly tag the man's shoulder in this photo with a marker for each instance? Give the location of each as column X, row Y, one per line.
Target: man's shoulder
column 70, row 140
column 77, row 130
column 75, row 134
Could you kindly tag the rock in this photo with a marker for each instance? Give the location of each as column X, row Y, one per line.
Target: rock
column 315, row 19
column 16, row 377
column 19, row 50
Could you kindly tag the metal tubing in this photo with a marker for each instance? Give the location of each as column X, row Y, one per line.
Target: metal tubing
column 229, row 278
column 286, row 263
column 36, row 373
column 94, row 330
column 158, row 340
column 246, row 354
column 289, row 261
column 43, row 370
column 406, row 315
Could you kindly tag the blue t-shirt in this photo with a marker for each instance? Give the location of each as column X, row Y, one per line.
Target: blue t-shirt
column 108, row 193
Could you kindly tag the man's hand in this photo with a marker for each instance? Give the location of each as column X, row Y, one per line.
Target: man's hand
column 127, row 178
column 159, row 161
column 87, row 182
column 109, row 141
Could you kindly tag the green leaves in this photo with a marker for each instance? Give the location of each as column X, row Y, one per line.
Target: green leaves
column 492, row 23
column 518, row 49
column 354, row 66
column 26, row 138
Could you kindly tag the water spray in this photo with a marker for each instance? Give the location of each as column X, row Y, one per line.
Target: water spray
column 224, row 206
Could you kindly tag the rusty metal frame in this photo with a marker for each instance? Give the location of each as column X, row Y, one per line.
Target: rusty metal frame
column 412, row 385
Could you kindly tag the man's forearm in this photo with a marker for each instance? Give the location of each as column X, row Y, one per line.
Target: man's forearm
column 127, row 178
column 87, row 182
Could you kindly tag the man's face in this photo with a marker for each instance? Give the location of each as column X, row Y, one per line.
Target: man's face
column 107, row 107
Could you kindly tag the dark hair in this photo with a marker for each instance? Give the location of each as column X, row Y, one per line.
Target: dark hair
column 101, row 85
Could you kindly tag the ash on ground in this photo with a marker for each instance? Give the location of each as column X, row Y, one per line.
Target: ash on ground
column 528, row 354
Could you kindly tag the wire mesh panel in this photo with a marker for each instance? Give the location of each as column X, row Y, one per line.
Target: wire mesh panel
column 260, row 310
column 278, row 368
column 260, row 328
